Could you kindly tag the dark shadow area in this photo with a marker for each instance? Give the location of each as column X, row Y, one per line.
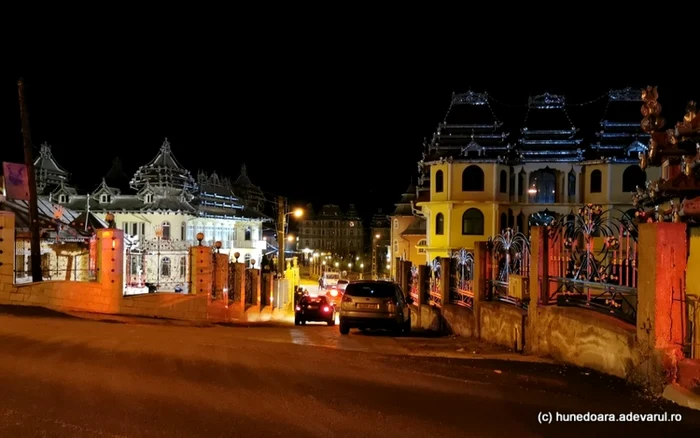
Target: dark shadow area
column 33, row 311
column 111, row 321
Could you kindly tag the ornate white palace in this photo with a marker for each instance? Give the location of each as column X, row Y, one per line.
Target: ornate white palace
column 161, row 220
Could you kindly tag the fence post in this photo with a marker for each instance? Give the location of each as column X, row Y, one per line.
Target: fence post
column 479, row 285
column 538, row 287
column 423, row 274
column 445, row 280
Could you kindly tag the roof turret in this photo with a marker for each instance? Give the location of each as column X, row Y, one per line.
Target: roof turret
column 251, row 195
column 621, row 137
column 49, row 174
column 548, row 133
column 164, row 174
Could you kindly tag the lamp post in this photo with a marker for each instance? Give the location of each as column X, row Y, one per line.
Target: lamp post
column 281, row 240
column 159, row 234
column 374, row 256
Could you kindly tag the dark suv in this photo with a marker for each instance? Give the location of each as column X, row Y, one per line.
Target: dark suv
column 375, row 304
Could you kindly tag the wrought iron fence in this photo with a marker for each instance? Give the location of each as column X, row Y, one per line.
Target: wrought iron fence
column 593, row 262
column 462, row 279
column 415, row 284
column 510, row 251
column 434, row 297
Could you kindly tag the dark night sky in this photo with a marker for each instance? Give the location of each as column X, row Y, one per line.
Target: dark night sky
column 311, row 123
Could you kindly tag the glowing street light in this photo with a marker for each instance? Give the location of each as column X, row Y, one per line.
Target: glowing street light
column 337, row 264
column 349, row 265
column 377, row 236
column 298, row 212
column 290, row 238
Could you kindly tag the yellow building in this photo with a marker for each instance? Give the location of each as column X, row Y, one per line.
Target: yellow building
column 407, row 232
column 483, row 177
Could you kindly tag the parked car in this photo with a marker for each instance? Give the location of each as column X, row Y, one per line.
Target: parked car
column 314, row 309
column 375, row 304
column 329, row 279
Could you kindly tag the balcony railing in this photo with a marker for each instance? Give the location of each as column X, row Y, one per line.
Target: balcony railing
column 231, row 244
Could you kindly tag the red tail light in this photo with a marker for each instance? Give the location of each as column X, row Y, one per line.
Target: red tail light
column 326, row 309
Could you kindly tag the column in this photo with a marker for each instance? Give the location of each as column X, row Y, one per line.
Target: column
column 7, row 254
column 254, row 276
column 566, row 188
column 526, row 187
column 110, row 266
column 237, row 284
column 201, row 270
column 662, row 251
column 479, row 285
column 445, row 263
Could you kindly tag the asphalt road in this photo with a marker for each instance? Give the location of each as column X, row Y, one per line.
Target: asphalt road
column 68, row 377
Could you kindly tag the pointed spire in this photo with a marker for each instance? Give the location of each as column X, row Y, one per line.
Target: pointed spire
column 244, row 170
column 45, row 150
column 165, row 147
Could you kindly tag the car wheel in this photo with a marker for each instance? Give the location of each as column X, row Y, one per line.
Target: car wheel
column 296, row 321
column 344, row 329
column 303, row 322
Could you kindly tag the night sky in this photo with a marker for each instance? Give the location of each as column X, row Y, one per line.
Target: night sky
column 313, row 125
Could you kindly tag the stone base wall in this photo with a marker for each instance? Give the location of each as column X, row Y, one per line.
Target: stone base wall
column 62, row 295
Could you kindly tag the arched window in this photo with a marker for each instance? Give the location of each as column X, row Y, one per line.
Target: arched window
column 247, row 233
column 149, row 198
column 596, row 181
column 165, row 267
column 396, row 224
column 183, row 266
column 439, row 224
column 421, row 246
column 166, row 230
column 504, row 221
column 473, row 222
column 473, row 179
column 61, row 199
column 632, row 178
column 396, row 246
column 542, row 186
column 183, row 231
column 104, row 198
column 503, row 183
column 439, row 183
column 246, row 260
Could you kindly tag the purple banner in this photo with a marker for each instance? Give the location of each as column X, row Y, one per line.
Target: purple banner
column 16, row 181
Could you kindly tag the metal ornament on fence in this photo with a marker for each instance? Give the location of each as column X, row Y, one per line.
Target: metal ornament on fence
column 434, row 294
column 512, row 250
column 415, row 286
column 605, row 278
column 461, row 278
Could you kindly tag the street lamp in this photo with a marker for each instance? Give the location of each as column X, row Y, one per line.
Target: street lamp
column 281, row 241
column 159, row 235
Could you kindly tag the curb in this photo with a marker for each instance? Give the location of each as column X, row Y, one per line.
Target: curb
column 682, row 396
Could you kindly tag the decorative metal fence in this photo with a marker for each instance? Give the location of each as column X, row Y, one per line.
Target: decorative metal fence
column 462, row 279
column 434, row 297
column 510, row 251
column 415, row 285
column 593, row 262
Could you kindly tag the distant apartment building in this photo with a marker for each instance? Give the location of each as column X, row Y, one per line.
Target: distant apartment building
column 332, row 230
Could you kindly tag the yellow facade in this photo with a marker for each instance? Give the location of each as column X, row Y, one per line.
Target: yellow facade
column 504, row 203
column 405, row 247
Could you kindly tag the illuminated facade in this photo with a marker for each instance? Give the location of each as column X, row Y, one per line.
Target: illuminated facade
column 479, row 177
column 407, row 232
column 332, row 231
column 161, row 220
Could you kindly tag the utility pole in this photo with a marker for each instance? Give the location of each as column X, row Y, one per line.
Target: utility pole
column 281, row 238
column 31, row 181
column 374, row 258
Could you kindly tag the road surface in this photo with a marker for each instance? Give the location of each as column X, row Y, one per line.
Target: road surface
column 69, row 377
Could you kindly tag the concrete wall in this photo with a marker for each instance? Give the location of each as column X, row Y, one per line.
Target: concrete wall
column 584, row 338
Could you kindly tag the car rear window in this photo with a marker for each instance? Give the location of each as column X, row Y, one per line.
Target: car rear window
column 316, row 300
column 380, row 290
column 343, row 282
